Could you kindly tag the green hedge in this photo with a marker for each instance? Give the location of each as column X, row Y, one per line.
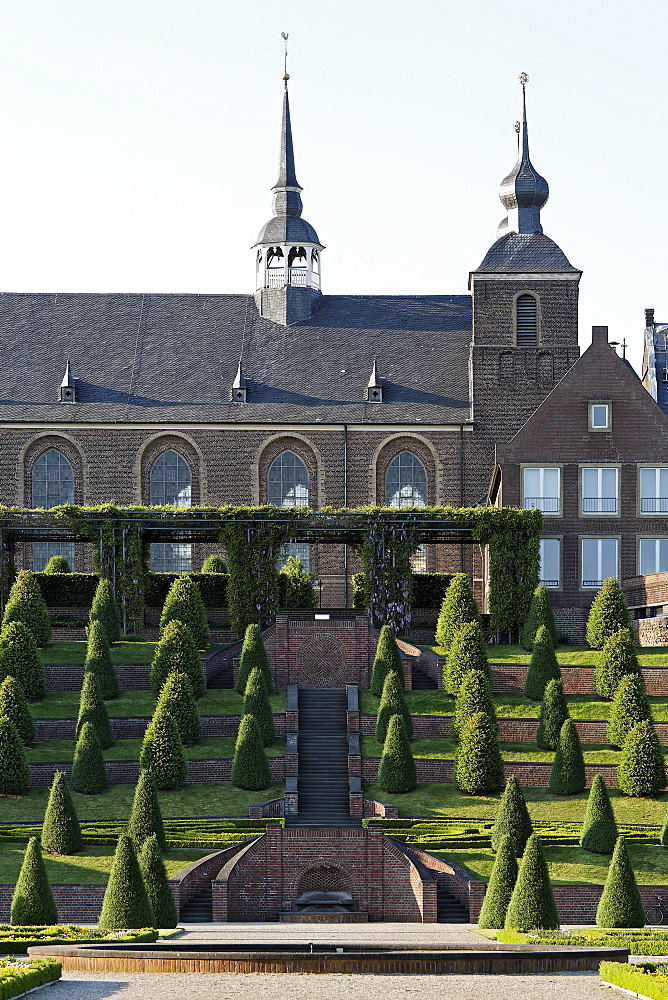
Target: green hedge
column 427, row 590
column 15, row 981
column 68, row 590
column 649, row 984
column 17, row 940
column 643, row 941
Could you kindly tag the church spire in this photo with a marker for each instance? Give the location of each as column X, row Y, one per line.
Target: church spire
column 287, row 199
column 523, row 192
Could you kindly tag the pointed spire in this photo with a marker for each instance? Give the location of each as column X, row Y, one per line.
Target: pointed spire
column 523, row 192
column 68, row 381
column 374, row 392
column 68, row 392
column 238, row 387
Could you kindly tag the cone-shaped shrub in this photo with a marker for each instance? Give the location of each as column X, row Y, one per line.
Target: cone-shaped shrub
column 61, row 833
column 250, row 767
column 608, row 614
column 540, row 613
column 599, row 830
column 57, row 564
column 629, row 707
column 160, row 896
column 104, row 610
column 256, row 703
column 176, row 651
column 162, row 753
column 617, row 660
column 145, row 816
column 543, row 666
column 184, row 604
column 500, row 886
column 512, row 819
column 177, row 698
column 478, row 763
column 14, row 772
column 553, row 714
column 32, row 902
column 392, row 702
column 467, row 652
column 387, row 658
column 93, row 709
column 126, row 902
column 26, row 606
column 14, row 704
column 88, row 774
column 396, row 771
column 568, row 770
column 642, row 770
column 620, row 904
column 458, row 608
column 532, row 905
column 299, row 592
column 475, row 695
column 214, row 564
column 19, row 658
column 98, row 660
column 253, row 654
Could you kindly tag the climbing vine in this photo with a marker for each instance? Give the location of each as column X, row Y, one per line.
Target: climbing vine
column 386, row 556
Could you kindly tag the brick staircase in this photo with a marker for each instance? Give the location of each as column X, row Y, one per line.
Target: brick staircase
column 422, row 682
column 198, row 910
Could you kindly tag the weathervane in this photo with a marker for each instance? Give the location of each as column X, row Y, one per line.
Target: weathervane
column 523, row 79
column 286, row 75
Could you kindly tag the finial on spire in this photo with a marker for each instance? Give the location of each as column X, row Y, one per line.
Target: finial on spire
column 523, row 192
column 286, row 75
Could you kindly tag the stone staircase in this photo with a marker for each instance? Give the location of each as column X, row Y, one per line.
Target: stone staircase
column 223, row 679
column 448, row 908
column 198, row 910
column 422, row 682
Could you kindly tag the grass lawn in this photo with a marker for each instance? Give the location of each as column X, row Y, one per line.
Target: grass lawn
column 121, row 652
column 215, row 747
column 648, row 656
column 132, row 704
column 93, row 864
column 437, row 747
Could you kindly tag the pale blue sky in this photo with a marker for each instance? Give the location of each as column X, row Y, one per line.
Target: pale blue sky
column 140, row 138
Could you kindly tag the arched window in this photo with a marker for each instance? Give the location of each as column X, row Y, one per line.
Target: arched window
column 52, row 480
column 171, row 483
column 526, row 321
column 287, row 481
column 406, row 481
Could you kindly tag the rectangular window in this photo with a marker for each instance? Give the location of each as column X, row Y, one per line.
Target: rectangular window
column 541, row 490
column 654, row 491
column 652, row 556
column 419, row 559
column 599, row 491
column 42, row 552
column 600, row 416
column 599, row 561
column 171, row 557
column 298, row 550
column 550, row 562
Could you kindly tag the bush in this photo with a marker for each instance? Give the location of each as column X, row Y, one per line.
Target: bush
column 500, row 886
column 599, row 830
column 543, row 666
column 32, row 902
column 214, row 564
column 14, row 705
column 126, row 902
column 88, row 774
column 98, row 660
column 105, row 611
column 635, row 980
column 475, row 695
column 458, row 608
column 212, row 588
column 299, row 592
column 467, row 652
column 427, row 590
column 177, row 698
column 253, row 654
column 15, row 981
column 553, row 714
column 396, row 771
column 61, row 833
column 57, row 564
column 620, row 905
column 93, row 709
column 629, row 707
column 26, row 606
column 478, row 763
column 532, row 903
column 608, row 614
column 67, row 590
column 616, row 661
column 250, row 767
column 568, row 770
column 176, row 652
column 14, row 771
column 162, row 753
column 19, row 658
column 256, row 703
column 184, row 604
column 160, row 896
column 145, row 816
column 642, row 770
column 387, row 658
column 540, row 613
column 512, row 819
column 392, row 702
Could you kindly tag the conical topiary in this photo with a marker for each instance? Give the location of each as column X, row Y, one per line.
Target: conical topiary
column 126, row 903
column 250, row 767
column 620, row 904
column 25, row 605
column 214, row 564
column 629, row 707
column 98, row 660
column 553, row 714
column 177, row 698
column 256, row 703
column 162, row 753
column 104, row 610
column 500, row 886
column 467, row 652
column 512, row 819
column 599, row 830
column 14, row 704
column 61, row 833
column 568, row 770
column 387, row 658
column 19, row 658
column 93, row 709
column 299, row 585
column 159, row 893
column 88, row 774
column 145, row 816
column 532, row 905
column 617, row 660
column 540, row 614
column 14, row 771
column 475, row 695
column 176, row 651
column 608, row 614
column 641, row 770
column 396, row 771
column 478, row 763
column 458, row 608
column 543, row 666
column 184, row 604
column 33, row 902
column 253, row 654
column 57, row 564
column 392, row 702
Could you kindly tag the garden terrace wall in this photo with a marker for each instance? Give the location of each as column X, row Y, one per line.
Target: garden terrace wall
column 134, row 728
column 441, row 772
column 126, row 772
column 76, row 903
column 510, row 678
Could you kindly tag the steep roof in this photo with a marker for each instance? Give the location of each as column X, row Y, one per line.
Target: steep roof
column 525, row 252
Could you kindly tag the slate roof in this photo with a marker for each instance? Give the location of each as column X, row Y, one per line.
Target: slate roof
column 172, row 358
column 525, row 252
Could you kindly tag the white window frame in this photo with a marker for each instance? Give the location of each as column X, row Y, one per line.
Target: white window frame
column 549, row 584
column 649, row 538
column 664, row 500
column 559, row 498
column 596, row 584
column 587, row 467
column 597, row 429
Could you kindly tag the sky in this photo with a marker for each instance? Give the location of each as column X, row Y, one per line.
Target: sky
column 139, row 142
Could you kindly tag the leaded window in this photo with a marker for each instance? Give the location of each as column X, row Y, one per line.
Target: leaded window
column 43, row 551
column 171, row 483
column 406, row 481
column 52, row 480
column 287, row 481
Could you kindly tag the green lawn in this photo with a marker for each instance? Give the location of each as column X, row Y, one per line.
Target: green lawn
column 209, row 747
column 437, row 747
column 131, row 704
column 648, row 656
column 93, row 864
column 121, row 652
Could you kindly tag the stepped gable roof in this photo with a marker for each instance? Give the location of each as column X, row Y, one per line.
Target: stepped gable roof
column 525, row 252
column 172, row 358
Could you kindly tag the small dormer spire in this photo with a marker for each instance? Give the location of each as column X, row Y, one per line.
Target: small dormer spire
column 68, row 391
column 523, row 192
column 374, row 392
column 238, row 389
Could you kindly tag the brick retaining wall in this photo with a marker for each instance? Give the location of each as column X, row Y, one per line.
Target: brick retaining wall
column 80, row 904
column 440, row 772
column 126, row 772
column 134, row 728
column 510, row 678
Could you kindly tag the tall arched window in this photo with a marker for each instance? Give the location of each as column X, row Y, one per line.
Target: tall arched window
column 52, row 480
column 287, row 481
column 406, row 481
column 526, row 321
column 171, row 483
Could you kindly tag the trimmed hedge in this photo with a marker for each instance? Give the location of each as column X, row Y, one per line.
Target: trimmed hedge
column 568, row 770
column 458, row 608
column 14, row 704
column 532, row 903
column 212, row 588
column 553, row 714
column 256, row 703
column 620, row 904
column 387, row 658
column 250, row 766
column 14, row 771
column 160, row 896
column 543, row 666
column 176, row 651
column 608, row 614
column 162, row 753
column 474, row 695
column 93, row 709
column 299, row 592
column 599, row 829
column 616, row 661
column 468, row 651
column 500, row 887
column 98, row 660
column 392, row 702
column 104, row 610
column 15, row 940
column 15, row 981
column 177, row 698
column 629, row 707
column 88, row 774
column 126, row 902
column 635, row 979
column 253, row 654
column 184, row 604
column 20, row 658
column 145, row 815
column 26, row 605
column 396, row 771
column 33, row 902
column 427, row 590
column 61, row 833
column 478, row 763
column 512, row 819
column 67, row 590
column 540, row 614
column 641, row 770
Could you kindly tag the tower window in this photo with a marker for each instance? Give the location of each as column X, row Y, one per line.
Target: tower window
column 526, row 321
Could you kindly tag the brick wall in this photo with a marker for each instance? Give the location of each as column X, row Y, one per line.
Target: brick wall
column 509, row 677
column 126, row 772
column 330, row 653
column 133, row 729
column 438, row 771
column 76, row 903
